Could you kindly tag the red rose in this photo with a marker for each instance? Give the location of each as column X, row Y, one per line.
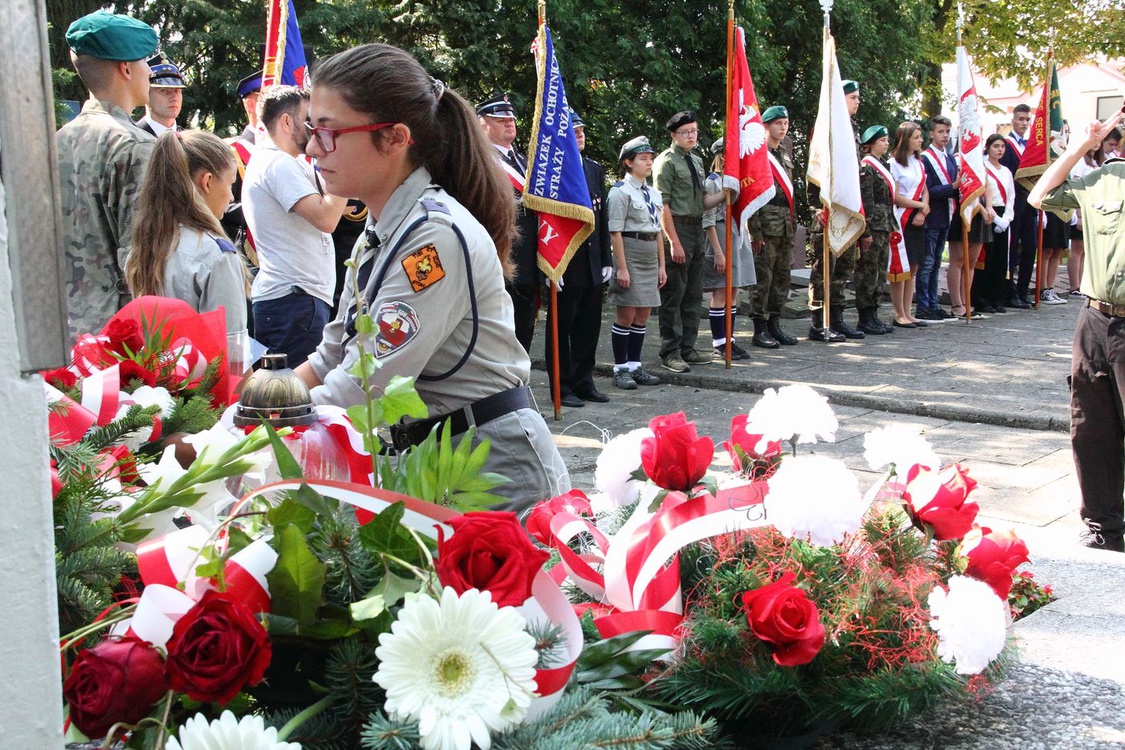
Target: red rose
column 763, row 456
column 993, row 557
column 781, row 615
column 489, row 551
column 938, row 499
column 675, row 457
column 539, row 520
column 117, row 680
column 216, row 649
column 60, row 378
column 125, row 337
column 128, row 371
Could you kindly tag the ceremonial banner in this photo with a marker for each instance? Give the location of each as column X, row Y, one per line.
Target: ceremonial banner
column 833, row 165
column 285, row 62
column 556, row 183
column 747, row 157
column 1044, row 141
column 971, row 156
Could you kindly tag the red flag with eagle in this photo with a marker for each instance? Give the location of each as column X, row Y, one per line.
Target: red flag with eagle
column 746, row 154
column 971, row 156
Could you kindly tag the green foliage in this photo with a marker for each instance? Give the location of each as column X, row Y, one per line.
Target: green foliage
column 351, row 569
column 135, row 418
column 436, row 472
column 1028, row 596
column 610, row 665
column 192, row 415
column 297, row 580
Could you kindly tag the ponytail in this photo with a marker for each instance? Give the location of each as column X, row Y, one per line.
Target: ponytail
column 168, row 200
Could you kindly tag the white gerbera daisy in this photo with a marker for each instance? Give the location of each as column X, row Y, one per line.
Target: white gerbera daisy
column 815, row 497
column 228, row 733
column 463, row 668
column 971, row 622
column 616, row 463
column 794, row 411
column 900, row 445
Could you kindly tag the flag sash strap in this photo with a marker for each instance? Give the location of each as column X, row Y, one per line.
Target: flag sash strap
column 883, row 172
column 999, row 183
column 510, row 172
column 906, row 215
column 782, row 179
column 934, row 159
column 1015, row 144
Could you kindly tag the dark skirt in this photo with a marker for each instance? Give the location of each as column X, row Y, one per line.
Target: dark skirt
column 915, row 240
column 1057, row 232
column 979, row 231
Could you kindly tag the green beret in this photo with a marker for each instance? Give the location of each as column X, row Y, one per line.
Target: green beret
column 638, row 145
column 776, row 112
column 109, row 36
column 874, row 133
column 850, row 87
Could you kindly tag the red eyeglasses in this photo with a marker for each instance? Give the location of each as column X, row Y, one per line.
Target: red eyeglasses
column 326, row 137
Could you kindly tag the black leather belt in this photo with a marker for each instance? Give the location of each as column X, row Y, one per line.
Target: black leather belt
column 484, row 411
column 646, row 236
column 1117, row 311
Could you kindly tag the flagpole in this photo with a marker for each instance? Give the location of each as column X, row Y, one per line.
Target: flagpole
column 966, row 295
column 728, row 317
column 1039, row 213
column 553, row 294
column 825, row 260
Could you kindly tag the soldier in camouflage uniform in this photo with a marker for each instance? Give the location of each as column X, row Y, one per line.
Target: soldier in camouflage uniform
column 840, row 268
column 102, row 160
column 772, row 229
column 876, row 186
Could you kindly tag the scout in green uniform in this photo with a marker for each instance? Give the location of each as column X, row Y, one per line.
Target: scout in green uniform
column 102, row 160
column 875, row 185
column 772, row 228
column 841, row 267
column 1097, row 375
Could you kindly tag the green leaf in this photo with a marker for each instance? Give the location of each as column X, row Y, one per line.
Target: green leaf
column 286, row 464
column 393, row 588
column 385, row 535
column 312, row 500
column 400, row 399
column 601, row 652
column 297, row 580
column 292, row 512
column 365, row 326
column 368, row 609
column 280, row 626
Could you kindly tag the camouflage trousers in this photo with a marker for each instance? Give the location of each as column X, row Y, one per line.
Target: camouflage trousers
column 772, row 267
column 841, row 268
column 871, row 269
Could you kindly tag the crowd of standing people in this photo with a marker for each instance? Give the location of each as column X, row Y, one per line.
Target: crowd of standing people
column 421, row 191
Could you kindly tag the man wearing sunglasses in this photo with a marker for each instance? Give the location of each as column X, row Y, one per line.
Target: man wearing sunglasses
column 290, row 217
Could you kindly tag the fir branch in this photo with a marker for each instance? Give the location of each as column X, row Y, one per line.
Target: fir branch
column 136, row 417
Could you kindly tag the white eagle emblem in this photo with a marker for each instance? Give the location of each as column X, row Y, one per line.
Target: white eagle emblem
column 751, row 133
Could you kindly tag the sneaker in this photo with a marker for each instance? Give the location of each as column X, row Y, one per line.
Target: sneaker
column 934, row 315
column 945, row 315
column 623, row 379
column 736, row 352
column 695, row 357
column 1051, row 297
column 675, row 363
column 1096, row 540
column 1075, row 294
column 641, row 376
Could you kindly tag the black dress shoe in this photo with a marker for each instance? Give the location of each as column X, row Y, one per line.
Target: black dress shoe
column 904, row 325
column 1018, row 303
column 571, row 400
column 594, row 395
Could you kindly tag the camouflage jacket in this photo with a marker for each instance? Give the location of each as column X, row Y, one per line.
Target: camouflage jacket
column 102, row 161
column 878, row 205
column 775, row 219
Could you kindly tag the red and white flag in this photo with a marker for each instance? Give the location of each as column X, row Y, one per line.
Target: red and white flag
column 833, row 165
column 971, row 156
column 746, row 155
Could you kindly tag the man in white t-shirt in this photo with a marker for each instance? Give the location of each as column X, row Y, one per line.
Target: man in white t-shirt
column 289, row 216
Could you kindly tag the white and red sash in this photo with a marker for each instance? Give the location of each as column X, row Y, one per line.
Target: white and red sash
column 883, row 172
column 898, row 267
column 903, row 214
column 937, row 159
column 1014, row 143
column 781, row 179
column 514, row 176
column 999, row 183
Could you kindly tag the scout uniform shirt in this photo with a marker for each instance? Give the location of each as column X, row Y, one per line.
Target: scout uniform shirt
column 677, row 186
column 878, row 202
column 424, row 286
column 634, row 206
column 776, row 219
column 1101, row 198
column 102, row 161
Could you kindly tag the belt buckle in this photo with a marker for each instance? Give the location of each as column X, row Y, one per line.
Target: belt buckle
column 1118, row 311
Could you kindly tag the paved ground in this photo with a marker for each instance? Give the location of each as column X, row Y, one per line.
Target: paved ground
column 992, row 395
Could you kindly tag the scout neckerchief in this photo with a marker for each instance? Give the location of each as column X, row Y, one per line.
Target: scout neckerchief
column 883, row 172
column 936, row 158
column 781, row 179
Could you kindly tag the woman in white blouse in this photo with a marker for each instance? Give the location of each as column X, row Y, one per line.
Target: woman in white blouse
column 912, row 204
column 990, row 285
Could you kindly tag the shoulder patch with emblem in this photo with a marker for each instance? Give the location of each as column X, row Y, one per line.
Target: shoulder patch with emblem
column 423, row 268
column 397, row 324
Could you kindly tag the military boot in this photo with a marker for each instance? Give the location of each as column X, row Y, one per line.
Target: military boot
column 820, row 332
column 762, row 335
column 868, row 323
column 780, row 336
column 887, row 327
column 839, row 325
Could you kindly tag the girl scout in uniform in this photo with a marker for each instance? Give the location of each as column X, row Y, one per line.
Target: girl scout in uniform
column 633, row 208
column 430, row 269
column 877, row 186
